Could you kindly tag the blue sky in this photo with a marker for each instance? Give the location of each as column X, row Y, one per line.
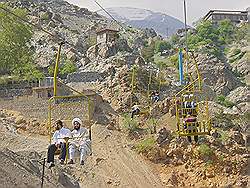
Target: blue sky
column 195, row 8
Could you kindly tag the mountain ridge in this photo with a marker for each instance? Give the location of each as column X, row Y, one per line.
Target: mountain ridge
column 163, row 24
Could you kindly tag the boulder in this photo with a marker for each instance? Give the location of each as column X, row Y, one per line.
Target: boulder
column 217, row 75
column 20, row 120
column 122, row 45
column 242, row 67
column 237, row 137
column 239, row 95
column 244, row 107
column 163, row 136
column 67, row 181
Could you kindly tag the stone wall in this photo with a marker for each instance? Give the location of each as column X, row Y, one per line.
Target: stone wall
column 14, row 89
column 11, row 93
column 85, row 77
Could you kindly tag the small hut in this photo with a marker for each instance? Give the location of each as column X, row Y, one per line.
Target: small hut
column 107, row 35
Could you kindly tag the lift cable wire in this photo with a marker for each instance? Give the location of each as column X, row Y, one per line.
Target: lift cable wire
column 109, row 15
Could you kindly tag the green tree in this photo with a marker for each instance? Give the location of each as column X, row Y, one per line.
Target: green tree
column 16, row 55
column 65, row 67
column 174, row 40
column 148, row 52
column 206, row 39
column 226, row 31
column 162, row 45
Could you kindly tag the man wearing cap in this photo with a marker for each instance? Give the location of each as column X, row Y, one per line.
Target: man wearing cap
column 58, row 142
column 80, row 140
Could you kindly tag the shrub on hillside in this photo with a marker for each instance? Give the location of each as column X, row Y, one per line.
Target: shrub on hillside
column 162, row 45
column 223, row 101
column 145, row 145
column 130, row 124
column 205, row 151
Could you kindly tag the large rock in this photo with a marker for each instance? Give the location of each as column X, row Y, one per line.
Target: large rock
column 122, row 45
column 103, row 50
column 19, row 120
column 239, row 95
column 237, row 137
column 244, row 107
column 217, row 75
column 67, row 181
column 208, row 93
column 163, row 136
column 242, row 67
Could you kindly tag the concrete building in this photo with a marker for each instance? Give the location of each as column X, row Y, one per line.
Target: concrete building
column 106, row 35
column 236, row 17
column 45, row 89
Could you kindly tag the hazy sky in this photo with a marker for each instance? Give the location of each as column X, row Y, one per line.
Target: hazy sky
column 195, row 8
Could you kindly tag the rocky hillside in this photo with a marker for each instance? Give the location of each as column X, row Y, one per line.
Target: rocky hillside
column 163, row 24
column 77, row 26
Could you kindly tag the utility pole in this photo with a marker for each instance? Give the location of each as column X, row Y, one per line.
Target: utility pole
column 186, row 49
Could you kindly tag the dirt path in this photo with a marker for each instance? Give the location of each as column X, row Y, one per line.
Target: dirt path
column 113, row 163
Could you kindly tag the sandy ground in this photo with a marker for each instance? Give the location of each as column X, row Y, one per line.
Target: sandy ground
column 113, row 162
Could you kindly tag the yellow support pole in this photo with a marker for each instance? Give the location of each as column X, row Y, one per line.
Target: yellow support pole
column 57, row 67
column 208, row 118
column 149, row 83
column 49, row 121
column 133, row 83
column 177, row 114
column 133, row 80
column 159, row 78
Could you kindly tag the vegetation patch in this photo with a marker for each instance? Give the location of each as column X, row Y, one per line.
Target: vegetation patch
column 145, row 145
column 224, row 102
column 205, row 151
column 66, row 67
column 223, row 136
column 130, row 124
column 17, row 58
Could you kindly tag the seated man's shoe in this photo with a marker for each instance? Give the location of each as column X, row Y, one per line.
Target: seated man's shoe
column 82, row 162
column 71, row 161
column 61, row 162
column 51, row 165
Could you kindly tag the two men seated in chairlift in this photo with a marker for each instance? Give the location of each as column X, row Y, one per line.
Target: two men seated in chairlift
column 78, row 139
column 189, row 115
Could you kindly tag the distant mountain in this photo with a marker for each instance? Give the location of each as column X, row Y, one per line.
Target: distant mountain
column 163, row 24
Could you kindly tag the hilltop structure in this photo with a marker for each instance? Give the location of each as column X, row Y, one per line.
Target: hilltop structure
column 232, row 15
column 106, row 35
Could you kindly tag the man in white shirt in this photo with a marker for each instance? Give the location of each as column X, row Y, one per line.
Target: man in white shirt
column 135, row 110
column 80, row 140
column 58, row 142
